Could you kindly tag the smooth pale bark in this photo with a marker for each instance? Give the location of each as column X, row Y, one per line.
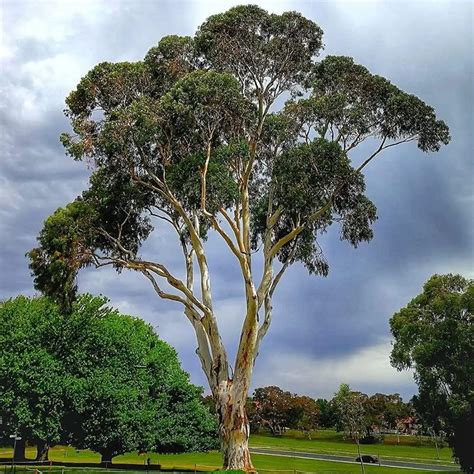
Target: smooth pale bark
column 230, row 390
column 234, row 428
column 231, row 398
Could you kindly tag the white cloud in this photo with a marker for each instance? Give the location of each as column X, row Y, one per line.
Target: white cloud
column 367, row 370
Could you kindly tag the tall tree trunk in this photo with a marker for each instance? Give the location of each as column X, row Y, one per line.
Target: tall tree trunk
column 106, row 458
column 42, row 451
column 360, row 457
column 19, row 453
column 234, row 428
column 436, row 444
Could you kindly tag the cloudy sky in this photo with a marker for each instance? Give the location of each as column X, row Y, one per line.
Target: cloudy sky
column 325, row 331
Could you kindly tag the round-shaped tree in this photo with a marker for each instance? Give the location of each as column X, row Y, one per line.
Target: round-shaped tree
column 94, row 378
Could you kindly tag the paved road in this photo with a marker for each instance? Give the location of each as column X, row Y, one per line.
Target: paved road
column 333, row 457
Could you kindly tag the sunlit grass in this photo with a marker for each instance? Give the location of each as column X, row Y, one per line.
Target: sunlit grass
column 331, row 442
column 212, row 461
column 325, row 441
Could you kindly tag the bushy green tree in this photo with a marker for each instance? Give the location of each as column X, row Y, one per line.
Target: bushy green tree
column 191, row 138
column 97, row 379
column 383, row 411
column 328, row 416
column 32, row 378
column 304, row 414
column 351, row 412
column 434, row 335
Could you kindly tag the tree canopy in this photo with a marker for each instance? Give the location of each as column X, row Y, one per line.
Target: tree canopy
column 32, row 379
column 192, row 138
column 97, row 379
column 434, row 335
column 169, row 119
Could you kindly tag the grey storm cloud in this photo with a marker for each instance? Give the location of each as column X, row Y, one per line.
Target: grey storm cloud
column 325, row 330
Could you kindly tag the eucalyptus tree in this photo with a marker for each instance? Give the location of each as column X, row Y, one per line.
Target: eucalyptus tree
column 192, row 138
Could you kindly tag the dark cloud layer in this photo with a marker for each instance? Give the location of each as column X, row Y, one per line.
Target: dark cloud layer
column 325, row 331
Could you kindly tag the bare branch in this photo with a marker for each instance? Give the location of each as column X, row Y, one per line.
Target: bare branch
column 165, row 295
column 117, row 243
column 203, row 173
column 236, row 251
column 167, row 219
column 235, row 229
column 372, row 156
column 381, row 148
column 269, row 295
column 157, row 268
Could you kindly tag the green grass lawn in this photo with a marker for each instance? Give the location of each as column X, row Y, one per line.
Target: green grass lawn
column 331, row 442
column 69, row 470
column 322, row 441
column 212, row 461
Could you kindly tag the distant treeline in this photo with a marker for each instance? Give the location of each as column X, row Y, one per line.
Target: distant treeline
column 275, row 410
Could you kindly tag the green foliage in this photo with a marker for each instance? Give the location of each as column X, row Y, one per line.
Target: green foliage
column 64, row 249
column 185, row 425
column 304, row 179
column 171, row 59
column 385, row 411
column 97, row 379
column 350, row 407
column 277, row 410
column 32, row 380
column 271, row 405
column 434, row 335
column 106, row 87
column 267, row 52
column 187, row 132
column 328, row 416
column 184, row 179
column 346, row 95
column 205, row 106
column 304, row 414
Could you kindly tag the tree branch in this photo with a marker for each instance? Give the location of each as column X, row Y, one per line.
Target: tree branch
column 203, row 173
column 381, row 148
column 269, row 296
column 168, row 296
column 235, row 229
column 158, row 269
